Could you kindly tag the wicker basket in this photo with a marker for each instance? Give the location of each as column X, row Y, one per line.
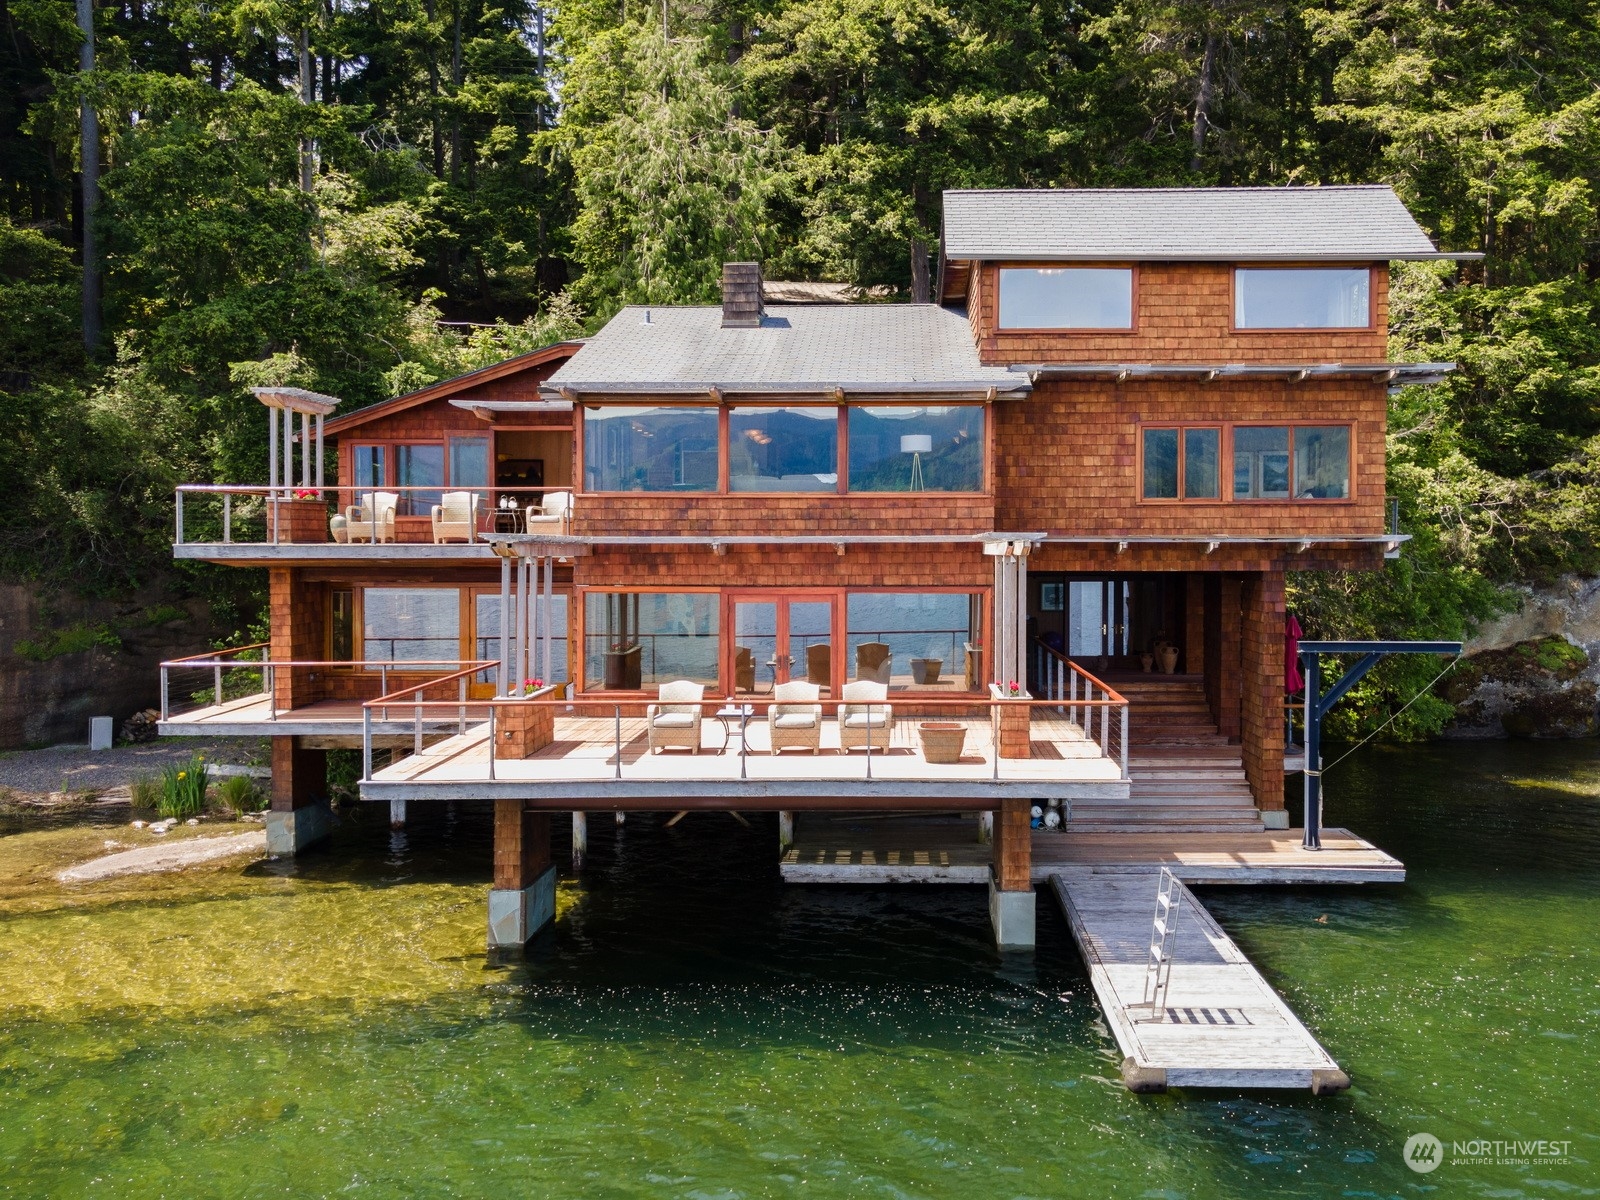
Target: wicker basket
column 942, row 740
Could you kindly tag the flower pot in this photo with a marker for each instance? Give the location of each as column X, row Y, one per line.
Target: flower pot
column 926, row 670
column 1169, row 659
column 942, row 741
column 1147, row 662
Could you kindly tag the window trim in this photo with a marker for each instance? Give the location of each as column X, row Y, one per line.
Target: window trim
column 1303, row 330
column 1128, row 330
column 723, row 489
column 1225, row 466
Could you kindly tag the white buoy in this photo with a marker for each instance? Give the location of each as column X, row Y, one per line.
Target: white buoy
column 1052, row 819
column 1036, row 812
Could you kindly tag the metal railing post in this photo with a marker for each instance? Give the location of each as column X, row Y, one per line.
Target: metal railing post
column 217, row 681
column 180, row 516
column 869, row 739
column 461, row 711
column 1125, row 741
column 227, row 516
column 163, row 693
column 1105, row 729
column 416, row 737
column 617, row 711
column 366, row 744
column 492, row 743
column 994, row 735
column 744, row 740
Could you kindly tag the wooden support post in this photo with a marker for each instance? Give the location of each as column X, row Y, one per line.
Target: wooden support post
column 580, row 839
column 522, row 898
column 1011, row 898
column 785, row 830
column 1262, row 691
column 299, row 812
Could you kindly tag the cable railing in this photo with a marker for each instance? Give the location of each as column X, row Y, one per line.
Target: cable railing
column 876, row 729
column 1088, row 702
column 223, row 668
column 255, row 514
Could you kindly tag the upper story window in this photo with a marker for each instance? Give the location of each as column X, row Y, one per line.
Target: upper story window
column 1302, row 298
column 1066, row 298
column 1270, row 462
column 783, row 449
column 916, row 449
column 421, row 470
column 665, row 449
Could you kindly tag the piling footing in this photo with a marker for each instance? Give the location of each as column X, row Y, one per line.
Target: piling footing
column 1275, row 818
column 1143, row 1079
column 288, row 833
column 397, row 814
column 516, row 915
column 1013, row 918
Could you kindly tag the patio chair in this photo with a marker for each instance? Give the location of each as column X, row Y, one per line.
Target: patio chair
column 456, row 517
column 860, row 725
column 819, row 664
column 373, row 519
column 553, row 515
column 744, row 669
column 873, row 662
column 675, row 720
column 795, row 719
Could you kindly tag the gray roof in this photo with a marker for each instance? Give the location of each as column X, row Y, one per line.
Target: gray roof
column 1273, row 224
column 861, row 348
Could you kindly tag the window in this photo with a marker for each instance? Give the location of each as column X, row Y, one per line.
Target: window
column 1261, row 462
column 419, row 466
column 650, row 449
column 486, row 627
column 783, row 449
column 910, row 639
column 1192, row 457
column 343, row 625
column 1302, row 298
column 370, row 467
column 915, row 449
column 634, row 640
column 1066, row 298
column 411, row 625
column 469, row 462
column 1322, row 462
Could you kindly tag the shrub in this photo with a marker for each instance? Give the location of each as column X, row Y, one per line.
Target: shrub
column 183, row 789
column 239, row 794
column 146, row 791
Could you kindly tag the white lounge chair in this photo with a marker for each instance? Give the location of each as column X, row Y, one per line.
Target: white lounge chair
column 554, row 515
column 861, row 724
column 373, row 519
column 456, row 517
column 795, row 720
column 675, row 720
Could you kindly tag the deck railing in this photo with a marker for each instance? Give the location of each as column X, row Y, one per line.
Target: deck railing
column 1094, row 707
column 253, row 514
column 983, row 715
column 219, row 676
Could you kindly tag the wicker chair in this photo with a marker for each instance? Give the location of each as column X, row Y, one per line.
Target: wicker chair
column 553, row 515
column 860, row 725
column 373, row 519
column 456, row 517
column 795, row 719
column 819, row 664
column 675, row 721
column 873, row 662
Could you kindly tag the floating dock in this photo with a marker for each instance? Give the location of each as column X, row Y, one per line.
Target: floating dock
column 1221, row 1025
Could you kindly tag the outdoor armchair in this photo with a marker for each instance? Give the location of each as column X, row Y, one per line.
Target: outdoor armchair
column 675, row 719
column 554, row 515
column 874, row 661
column 456, row 517
column 372, row 520
column 795, row 719
column 819, row 664
column 863, row 718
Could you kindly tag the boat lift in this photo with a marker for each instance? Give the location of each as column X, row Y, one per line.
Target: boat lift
column 1317, row 704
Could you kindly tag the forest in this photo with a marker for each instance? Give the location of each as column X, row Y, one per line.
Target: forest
column 364, row 196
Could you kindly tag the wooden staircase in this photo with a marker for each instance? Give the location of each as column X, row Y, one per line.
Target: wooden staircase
column 1184, row 777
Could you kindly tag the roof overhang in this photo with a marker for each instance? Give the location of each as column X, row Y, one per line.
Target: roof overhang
column 829, row 392
column 489, row 410
column 296, row 400
column 1391, row 542
column 1396, row 374
column 1034, row 256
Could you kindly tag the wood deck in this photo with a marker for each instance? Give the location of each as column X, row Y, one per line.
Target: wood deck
column 582, row 765
column 857, row 851
column 1222, row 1025
column 253, row 716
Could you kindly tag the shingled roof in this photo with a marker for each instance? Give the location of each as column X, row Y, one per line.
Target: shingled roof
column 863, row 349
column 1256, row 224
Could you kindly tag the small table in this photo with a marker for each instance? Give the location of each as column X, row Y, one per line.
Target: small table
column 734, row 712
column 509, row 520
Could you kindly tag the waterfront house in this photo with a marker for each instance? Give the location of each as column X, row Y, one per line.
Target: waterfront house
column 748, row 551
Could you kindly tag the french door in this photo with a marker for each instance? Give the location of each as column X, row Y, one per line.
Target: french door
column 779, row 636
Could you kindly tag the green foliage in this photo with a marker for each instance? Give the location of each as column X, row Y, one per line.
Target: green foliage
column 145, row 792
column 344, row 776
column 240, row 794
column 74, row 639
column 183, row 789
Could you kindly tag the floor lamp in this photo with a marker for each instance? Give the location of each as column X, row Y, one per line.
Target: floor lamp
column 916, row 445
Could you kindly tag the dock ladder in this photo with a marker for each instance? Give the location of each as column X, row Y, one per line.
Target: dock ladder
column 1163, row 942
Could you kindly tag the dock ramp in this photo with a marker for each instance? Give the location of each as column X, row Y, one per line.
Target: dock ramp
column 1219, row 1024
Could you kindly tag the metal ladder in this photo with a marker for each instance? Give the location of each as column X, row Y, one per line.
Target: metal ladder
column 1163, row 940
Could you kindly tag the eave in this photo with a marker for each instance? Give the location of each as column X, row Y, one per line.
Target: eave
column 1395, row 374
column 828, row 391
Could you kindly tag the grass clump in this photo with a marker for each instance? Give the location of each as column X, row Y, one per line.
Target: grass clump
column 239, row 794
column 145, row 791
column 183, row 789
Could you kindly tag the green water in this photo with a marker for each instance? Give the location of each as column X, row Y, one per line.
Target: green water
column 693, row 1028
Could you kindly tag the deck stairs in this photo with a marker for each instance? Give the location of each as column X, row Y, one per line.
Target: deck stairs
column 1184, row 777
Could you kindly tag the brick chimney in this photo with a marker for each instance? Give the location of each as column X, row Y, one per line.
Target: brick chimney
column 741, row 295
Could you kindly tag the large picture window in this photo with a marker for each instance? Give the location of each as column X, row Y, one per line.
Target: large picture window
column 635, row 640
column 783, row 449
column 916, row 449
column 1066, row 298
column 411, row 625
column 1270, row 462
column 1302, row 298
column 910, row 639
column 669, row 449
